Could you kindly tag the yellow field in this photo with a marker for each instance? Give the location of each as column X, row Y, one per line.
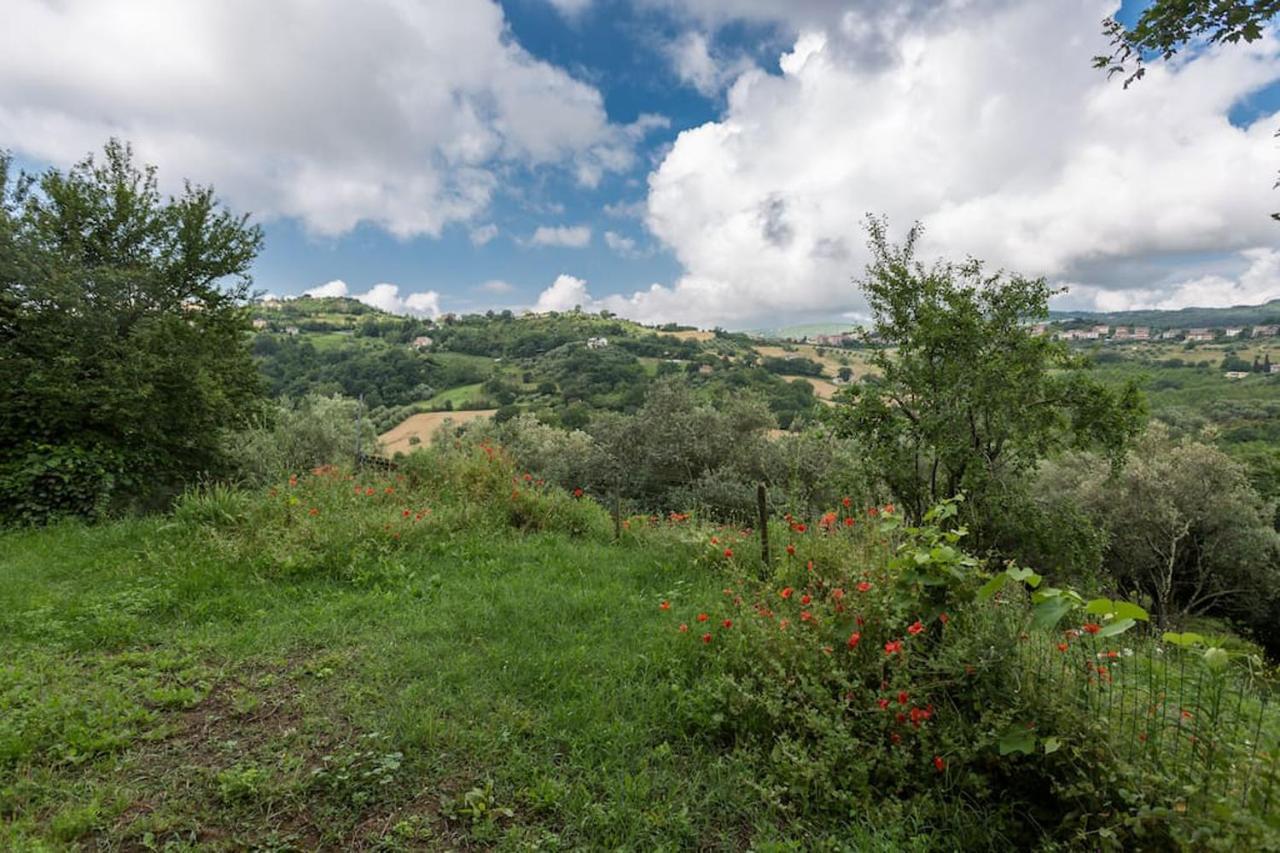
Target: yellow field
column 423, row 426
column 691, row 335
column 825, row 389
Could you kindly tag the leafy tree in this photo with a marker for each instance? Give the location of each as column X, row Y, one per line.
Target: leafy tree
column 1167, row 26
column 1184, row 527
column 124, row 343
column 969, row 398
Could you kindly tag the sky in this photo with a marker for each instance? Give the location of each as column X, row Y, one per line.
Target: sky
column 700, row 161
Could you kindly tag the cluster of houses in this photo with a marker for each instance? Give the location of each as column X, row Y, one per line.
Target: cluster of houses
column 1145, row 333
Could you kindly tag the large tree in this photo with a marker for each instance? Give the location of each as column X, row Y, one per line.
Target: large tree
column 123, row 336
column 969, row 397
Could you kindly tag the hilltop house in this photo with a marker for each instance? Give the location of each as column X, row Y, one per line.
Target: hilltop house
column 1170, row 334
column 1142, row 333
column 259, row 323
column 1266, row 331
column 291, row 330
column 1199, row 335
column 597, row 343
column 1232, row 331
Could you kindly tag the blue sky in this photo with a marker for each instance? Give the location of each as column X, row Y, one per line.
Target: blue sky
column 378, row 143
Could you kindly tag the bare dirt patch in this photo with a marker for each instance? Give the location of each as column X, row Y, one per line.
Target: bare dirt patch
column 422, row 426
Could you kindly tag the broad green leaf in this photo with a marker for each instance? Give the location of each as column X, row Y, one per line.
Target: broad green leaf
column 1216, row 658
column 1051, row 745
column 1116, row 608
column 1027, row 576
column 991, row 587
column 1119, row 626
column 1049, row 613
column 1187, row 639
column 1017, row 738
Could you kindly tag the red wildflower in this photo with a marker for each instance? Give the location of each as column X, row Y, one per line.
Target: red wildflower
column 939, row 763
column 368, row 492
column 783, row 624
column 900, row 718
column 888, row 509
column 728, row 623
column 684, row 629
column 944, row 618
column 791, row 549
column 895, row 737
column 848, row 521
column 915, row 628
column 389, row 490
column 706, row 638
column 786, row 592
column 666, row 605
column 577, row 493
column 903, row 698
column 1062, row 647
column 883, row 703
column 799, row 527
column 728, row 553
column 805, row 615
column 313, row 511
column 837, row 593
column 715, row 540
column 863, row 586
column 848, row 502
column 854, row 639
column 1091, row 628
column 872, row 511
column 293, row 479
column 406, row 513
column 805, row 599
column 702, row 617
column 892, row 647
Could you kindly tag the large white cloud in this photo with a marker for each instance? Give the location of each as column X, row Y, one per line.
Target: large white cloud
column 565, row 293
column 403, row 114
column 424, row 303
column 986, row 122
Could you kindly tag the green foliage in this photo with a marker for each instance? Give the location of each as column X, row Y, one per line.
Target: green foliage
column 122, row 337
column 968, row 396
column 1184, row 527
column 298, row 435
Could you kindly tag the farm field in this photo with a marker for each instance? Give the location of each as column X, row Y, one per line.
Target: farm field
column 424, row 425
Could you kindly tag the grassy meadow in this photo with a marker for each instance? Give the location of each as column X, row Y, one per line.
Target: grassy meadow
column 467, row 685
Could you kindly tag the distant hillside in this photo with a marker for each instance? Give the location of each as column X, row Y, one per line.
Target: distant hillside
column 1237, row 315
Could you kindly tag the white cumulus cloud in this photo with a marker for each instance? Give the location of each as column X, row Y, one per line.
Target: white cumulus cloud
column 483, row 234
column 1023, row 155
column 568, row 236
column 565, row 293
column 399, row 114
column 386, row 297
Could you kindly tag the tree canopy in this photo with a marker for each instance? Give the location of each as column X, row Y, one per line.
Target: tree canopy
column 123, row 338
column 969, row 395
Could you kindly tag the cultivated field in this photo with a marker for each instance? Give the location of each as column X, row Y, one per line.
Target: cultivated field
column 423, row 426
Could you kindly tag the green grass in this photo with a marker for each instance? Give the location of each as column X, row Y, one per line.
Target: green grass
column 458, row 396
column 482, row 687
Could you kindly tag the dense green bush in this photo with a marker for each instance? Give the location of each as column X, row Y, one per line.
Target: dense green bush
column 298, row 435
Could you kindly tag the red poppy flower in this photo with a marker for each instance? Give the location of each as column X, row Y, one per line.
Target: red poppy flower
column 944, row 618
column 684, row 629
column 939, row 763
column 577, row 493
column 848, row 521
column 837, row 593
column 1062, row 647
column 872, row 511
column 854, row 639
column 786, row 592
column 888, row 508
column 666, row 605
column 805, row 615
column 892, row 647
column 715, row 540
column 903, row 698
column 799, row 527
column 895, row 737
column 389, row 490
column 783, row 624
column 863, row 586
column 728, row 623
column 791, row 549
column 848, row 502
column 805, row 599
column 728, row 553
column 915, row 628
column 883, row 703
column 706, row 638
column 702, row 617
column 1091, row 628
column 313, row 511
column 368, row 492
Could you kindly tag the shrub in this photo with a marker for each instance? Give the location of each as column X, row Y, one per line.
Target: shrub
column 875, row 662
column 298, row 435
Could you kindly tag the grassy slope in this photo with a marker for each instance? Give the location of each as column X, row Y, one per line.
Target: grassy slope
column 155, row 693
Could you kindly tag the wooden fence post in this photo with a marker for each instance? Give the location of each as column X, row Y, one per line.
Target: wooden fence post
column 764, row 522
